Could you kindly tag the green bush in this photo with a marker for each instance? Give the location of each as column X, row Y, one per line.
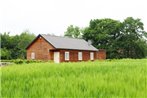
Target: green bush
column 7, row 60
column 18, row 61
column 33, row 61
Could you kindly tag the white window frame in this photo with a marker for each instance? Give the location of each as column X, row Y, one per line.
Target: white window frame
column 80, row 56
column 91, row 55
column 66, row 56
column 32, row 55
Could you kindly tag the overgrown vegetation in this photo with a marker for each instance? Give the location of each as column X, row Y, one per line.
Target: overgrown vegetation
column 14, row 47
column 21, row 61
column 125, row 78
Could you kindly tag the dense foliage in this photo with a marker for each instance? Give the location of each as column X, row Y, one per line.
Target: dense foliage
column 104, row 33
column 125, row 39
column 13, row 47
column 133, row 39
column 99, row 79
column 73, row 31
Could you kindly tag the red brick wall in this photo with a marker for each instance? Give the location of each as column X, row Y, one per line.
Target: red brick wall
column 74, row 55
column 41, row 49
column 101, row 54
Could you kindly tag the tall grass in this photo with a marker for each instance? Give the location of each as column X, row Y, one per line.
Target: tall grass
column 101, row 79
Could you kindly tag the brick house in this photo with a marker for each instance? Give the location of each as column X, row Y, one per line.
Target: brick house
column 62, row 49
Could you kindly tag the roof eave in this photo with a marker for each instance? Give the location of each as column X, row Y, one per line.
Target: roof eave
column 75, row 49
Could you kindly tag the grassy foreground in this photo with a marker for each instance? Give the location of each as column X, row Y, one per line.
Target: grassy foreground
column 101, row 79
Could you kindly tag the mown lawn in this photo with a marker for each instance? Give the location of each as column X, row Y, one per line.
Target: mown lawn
column 125, row 78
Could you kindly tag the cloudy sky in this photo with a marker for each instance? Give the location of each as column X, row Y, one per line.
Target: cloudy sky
column 54, row 16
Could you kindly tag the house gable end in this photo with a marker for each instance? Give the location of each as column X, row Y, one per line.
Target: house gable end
column 40, row 48
column 36, row 40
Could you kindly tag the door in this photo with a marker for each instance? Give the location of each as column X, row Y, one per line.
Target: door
column 33, row 55
column 91, row 56
column 56, row 57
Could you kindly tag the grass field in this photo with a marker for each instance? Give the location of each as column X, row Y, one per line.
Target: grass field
column 100, row 79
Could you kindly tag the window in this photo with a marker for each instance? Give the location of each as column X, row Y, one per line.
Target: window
column 32, row 55
column 91, row 56
column 66, row 55
column 79, row 55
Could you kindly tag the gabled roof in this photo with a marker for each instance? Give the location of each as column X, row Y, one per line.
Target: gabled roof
column 67, row 43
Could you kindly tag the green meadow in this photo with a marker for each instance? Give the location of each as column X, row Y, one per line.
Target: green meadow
column 126, row 78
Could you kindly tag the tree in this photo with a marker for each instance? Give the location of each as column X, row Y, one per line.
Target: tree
column 13, row 47
column 5, row 53
column 121, row 40
column 6, row 45
column 74, row 32
column 25, row 38
column 133, row 39
column 102, row 33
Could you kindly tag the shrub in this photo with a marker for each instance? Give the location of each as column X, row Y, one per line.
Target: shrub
column 18, row 61
column 33, row 61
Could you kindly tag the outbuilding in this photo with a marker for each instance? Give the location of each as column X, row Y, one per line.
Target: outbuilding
column 61, row 49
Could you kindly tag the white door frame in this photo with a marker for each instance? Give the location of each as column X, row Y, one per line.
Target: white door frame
column 91, row 55
column 57, row 57
column 33, row 55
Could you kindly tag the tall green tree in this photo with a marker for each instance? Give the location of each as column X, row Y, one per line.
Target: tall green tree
column 103, row 34
column 73, row 31
column 133, row 39
column 25, row 38
column 121, row 40
column 5, row 45
column 13, row 47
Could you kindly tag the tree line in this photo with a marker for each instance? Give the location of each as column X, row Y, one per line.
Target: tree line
column 125, row 39
column 14, row 47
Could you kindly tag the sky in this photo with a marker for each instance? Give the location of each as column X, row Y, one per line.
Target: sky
column 54, row 16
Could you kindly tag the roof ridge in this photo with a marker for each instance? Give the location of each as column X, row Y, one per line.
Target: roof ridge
column 62, row 36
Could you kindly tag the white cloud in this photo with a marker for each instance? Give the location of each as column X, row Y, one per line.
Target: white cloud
column 53, row 16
